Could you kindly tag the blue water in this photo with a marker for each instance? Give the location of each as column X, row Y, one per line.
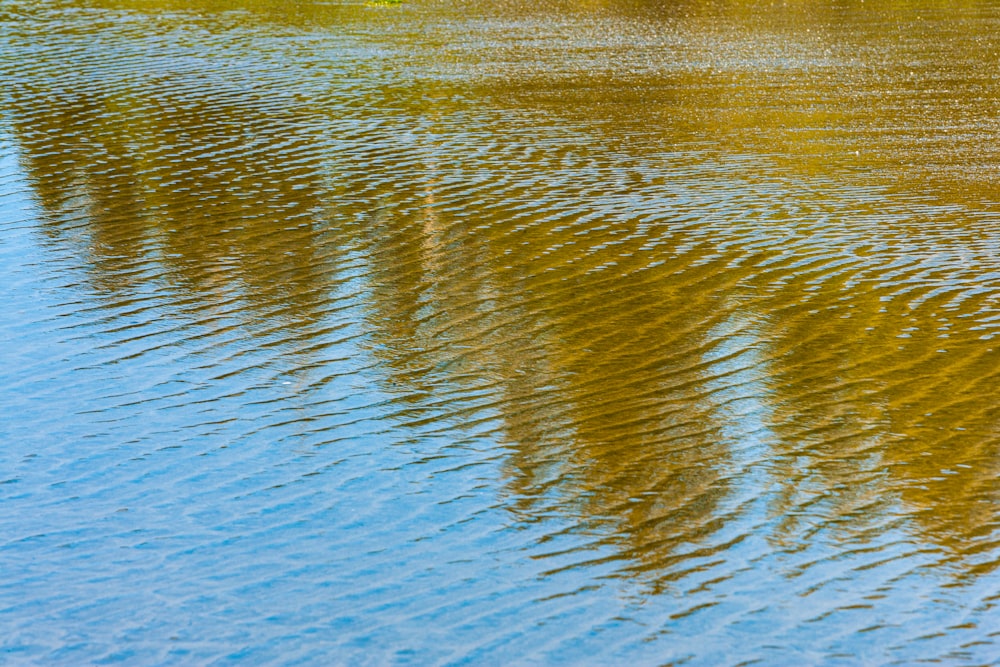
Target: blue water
column 335, row 334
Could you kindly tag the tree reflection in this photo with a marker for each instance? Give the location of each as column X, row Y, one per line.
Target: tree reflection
column 618, row 398
column 643, row 321
column 223, row 192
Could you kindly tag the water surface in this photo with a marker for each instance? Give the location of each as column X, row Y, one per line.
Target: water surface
column 445, row 333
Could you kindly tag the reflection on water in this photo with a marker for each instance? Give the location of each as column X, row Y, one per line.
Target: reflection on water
column 609, row 330
column 205, row 213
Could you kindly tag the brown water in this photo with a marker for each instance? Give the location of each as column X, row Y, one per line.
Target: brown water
column 496, row 332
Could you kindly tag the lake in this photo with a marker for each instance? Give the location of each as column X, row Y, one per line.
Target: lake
column 596, row 332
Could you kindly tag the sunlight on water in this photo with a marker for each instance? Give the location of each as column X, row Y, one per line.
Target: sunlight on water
column 586, row 332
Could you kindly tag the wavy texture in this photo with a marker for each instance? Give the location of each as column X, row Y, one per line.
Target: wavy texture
column 444, row 334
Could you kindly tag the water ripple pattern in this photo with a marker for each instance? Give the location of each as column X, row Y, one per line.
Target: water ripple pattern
column 591, row 333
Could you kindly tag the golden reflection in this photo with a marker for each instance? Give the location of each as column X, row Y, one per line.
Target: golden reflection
column 223, row 194
column 660, row 282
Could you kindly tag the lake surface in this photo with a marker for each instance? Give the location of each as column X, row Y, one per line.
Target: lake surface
column 594, row 332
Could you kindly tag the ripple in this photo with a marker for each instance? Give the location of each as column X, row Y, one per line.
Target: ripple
column 443, row 334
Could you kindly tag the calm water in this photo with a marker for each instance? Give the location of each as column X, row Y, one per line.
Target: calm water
column 491, row 332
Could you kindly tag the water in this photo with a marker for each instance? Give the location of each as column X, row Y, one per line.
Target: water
column 486, row 333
